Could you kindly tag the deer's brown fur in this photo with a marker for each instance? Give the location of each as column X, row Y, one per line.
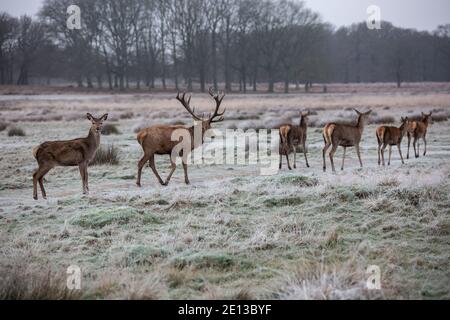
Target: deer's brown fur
column 78, row 152
column 391, row 136
column 158, row 139
column 418, row 130
column 292, row 136
column 344, row 135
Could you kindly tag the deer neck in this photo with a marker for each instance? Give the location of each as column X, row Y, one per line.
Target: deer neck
column 93, row 138
column 192, row 131
column 360, row 125
column 302, row 123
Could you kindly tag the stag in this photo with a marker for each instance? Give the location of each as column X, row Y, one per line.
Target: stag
column 391, row 136
column 291, row 136
column 344, row 135
column 158, row 139
column 418, row 130
column 78, row 152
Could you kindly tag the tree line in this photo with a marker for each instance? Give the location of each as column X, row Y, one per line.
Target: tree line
column 193, row 43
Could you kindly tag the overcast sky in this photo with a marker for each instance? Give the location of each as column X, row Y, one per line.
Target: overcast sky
column 419, row 14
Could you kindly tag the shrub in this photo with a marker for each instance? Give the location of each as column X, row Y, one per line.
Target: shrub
column 16, row 132
column 382, row 120
column 110, row 129
column 127, row 115
column 3, row 126
column 108, row 155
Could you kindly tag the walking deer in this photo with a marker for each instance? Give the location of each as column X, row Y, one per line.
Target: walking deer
column 418, row 130
column 78, row 152
column 292, row 136
column 344, row 135
column 391, row 136
column 158, row 139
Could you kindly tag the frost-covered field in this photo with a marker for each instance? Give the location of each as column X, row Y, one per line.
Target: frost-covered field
column 232, row 233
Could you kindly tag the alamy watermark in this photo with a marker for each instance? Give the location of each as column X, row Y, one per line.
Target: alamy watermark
column 73, row 277
column 74, row 20
column 374, row 280
column 373, row 21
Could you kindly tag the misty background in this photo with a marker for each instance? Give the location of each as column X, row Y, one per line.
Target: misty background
column 239, row 45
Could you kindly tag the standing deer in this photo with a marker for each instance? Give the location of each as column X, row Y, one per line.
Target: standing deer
column 78, row 152
column 344, row 135
column 158, row 139
column 292, row 136
column 391, row 136
column 418, row 130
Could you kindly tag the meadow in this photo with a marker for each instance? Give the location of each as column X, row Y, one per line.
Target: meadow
column 232, row 233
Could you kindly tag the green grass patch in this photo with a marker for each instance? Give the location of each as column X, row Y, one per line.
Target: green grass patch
column 299, row 181
column 283, row 202
column 217, row 260
column 99, row 218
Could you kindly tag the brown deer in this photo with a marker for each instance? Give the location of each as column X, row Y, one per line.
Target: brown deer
column 292, row 136
column 158, row 139
column 78, row 152
column 391, row 136
column 418, row 130
column 344, row 135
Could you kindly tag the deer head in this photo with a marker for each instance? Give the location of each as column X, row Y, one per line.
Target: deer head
column 304, row 117
column 206, row 122
column 404, row 126
column 363, row 117
column 97, row 123
column 426, row 118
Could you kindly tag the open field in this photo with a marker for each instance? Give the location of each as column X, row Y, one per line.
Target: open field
column 232, row 233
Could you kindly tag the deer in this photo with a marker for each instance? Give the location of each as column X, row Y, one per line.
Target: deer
column 344, row 135
column 418, row 130
column 291, row 136
column 158, row 139
column 78, row 152
column 391, row 136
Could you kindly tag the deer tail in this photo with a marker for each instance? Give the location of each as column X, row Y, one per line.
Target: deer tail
column 327, row 133
column 35, row 151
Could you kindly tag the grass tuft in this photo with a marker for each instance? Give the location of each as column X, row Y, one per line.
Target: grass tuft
column 109, row 129
column 16, row 131
column 108, row 155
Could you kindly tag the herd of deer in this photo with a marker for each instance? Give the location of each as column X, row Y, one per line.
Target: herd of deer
column 158, row 140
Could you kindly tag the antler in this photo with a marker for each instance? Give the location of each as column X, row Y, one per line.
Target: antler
column 186, row 103
column 218, row 97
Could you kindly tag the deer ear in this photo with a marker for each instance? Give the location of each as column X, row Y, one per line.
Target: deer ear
column 357, row 111
column 431, row 113
column 89, row 116
column 402, row 119
column 368, row 112
column 423, row 114
column 104, row 117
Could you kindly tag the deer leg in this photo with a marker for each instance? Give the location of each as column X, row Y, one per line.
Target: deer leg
column 295, row 157
column 174, row 166
column 36, row 177
column 304, row 152
column 41, row 182
column 390, row 153
column 324, row 152
column 400, row 151
column 280, row 151
column 141, row 164
column 287, row 158
column 153, row 166
column 186, row 179
column 425, row 142
column 81, row 166
column 379, row 154
column 409, row 143
column 358, row 152
column 416, row 152
column 86, row 177
column 332, row 152
column 343, row 159
column 383, row 148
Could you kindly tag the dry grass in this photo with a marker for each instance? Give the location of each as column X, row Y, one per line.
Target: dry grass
column 16, row 132
column 109, row 129
column 106, row 156
column 231, row 234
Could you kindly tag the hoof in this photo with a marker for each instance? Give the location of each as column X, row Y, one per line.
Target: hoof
column 138, row 184
column 35, row 197
column 187, row 182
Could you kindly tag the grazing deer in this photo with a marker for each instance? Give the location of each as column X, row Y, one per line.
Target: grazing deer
column 78, row 152
column 158, row 139
column 344, row 135
column 292, row 136
column 418, row 130
column 391, row 136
